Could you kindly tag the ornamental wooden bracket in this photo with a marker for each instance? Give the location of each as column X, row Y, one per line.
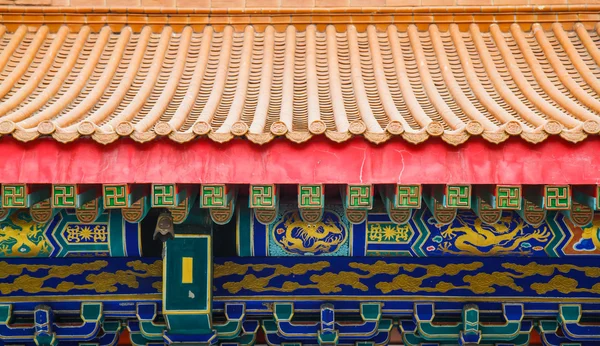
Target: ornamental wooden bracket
column 264, row 200
column 358, row 200
column 483, row 201
column 433, row 195
column 400, row 201
column 117, row 196
column 220, row 200
column 311, row 202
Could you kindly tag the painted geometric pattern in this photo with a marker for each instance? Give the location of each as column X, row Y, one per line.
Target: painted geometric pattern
column 14, row 196
column 64, row 235
column 389, row 233
column 214, row 196
column 408, row 196
column 262, row 196
column 311, row 196
column 64, row 196
column 458, row 196
column 508, row 197
column 85, row 234
column 115, row 196
column 423, row 235
column 557, row 197
column 360, row 196
column 163, row 195
column 469, row 235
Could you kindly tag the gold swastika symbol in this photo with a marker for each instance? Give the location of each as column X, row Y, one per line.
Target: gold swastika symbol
column 262, row 196
column 115, row 196
column 458, row 196
column 311, row 196
column 14, row 196
column 360, row 196
column 408, row 196
column 64, row 196
column 214, row 196
column 508, row 197
column 557, row 197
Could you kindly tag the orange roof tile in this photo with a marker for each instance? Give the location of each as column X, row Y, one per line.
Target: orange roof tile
column 260, row 85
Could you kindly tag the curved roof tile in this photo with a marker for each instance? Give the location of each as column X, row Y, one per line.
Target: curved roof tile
column 298, row 84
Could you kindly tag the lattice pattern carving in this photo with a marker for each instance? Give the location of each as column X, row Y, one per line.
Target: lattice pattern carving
column 222, row 216
column 311, row 215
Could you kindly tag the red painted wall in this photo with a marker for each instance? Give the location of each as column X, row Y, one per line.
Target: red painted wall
column 317, row 161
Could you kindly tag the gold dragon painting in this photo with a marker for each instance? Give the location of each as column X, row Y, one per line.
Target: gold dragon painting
column 468, row 235
column 20, row 236
column 298, row 237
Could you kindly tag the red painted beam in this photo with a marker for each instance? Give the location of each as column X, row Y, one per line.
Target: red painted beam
column 317, row 161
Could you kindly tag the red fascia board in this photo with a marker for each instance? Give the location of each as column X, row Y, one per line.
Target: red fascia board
column 319, row 160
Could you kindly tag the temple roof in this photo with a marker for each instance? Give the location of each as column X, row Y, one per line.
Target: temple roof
column 297, row 83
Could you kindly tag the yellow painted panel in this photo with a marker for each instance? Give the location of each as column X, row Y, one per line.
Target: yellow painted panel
column 187, row 269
